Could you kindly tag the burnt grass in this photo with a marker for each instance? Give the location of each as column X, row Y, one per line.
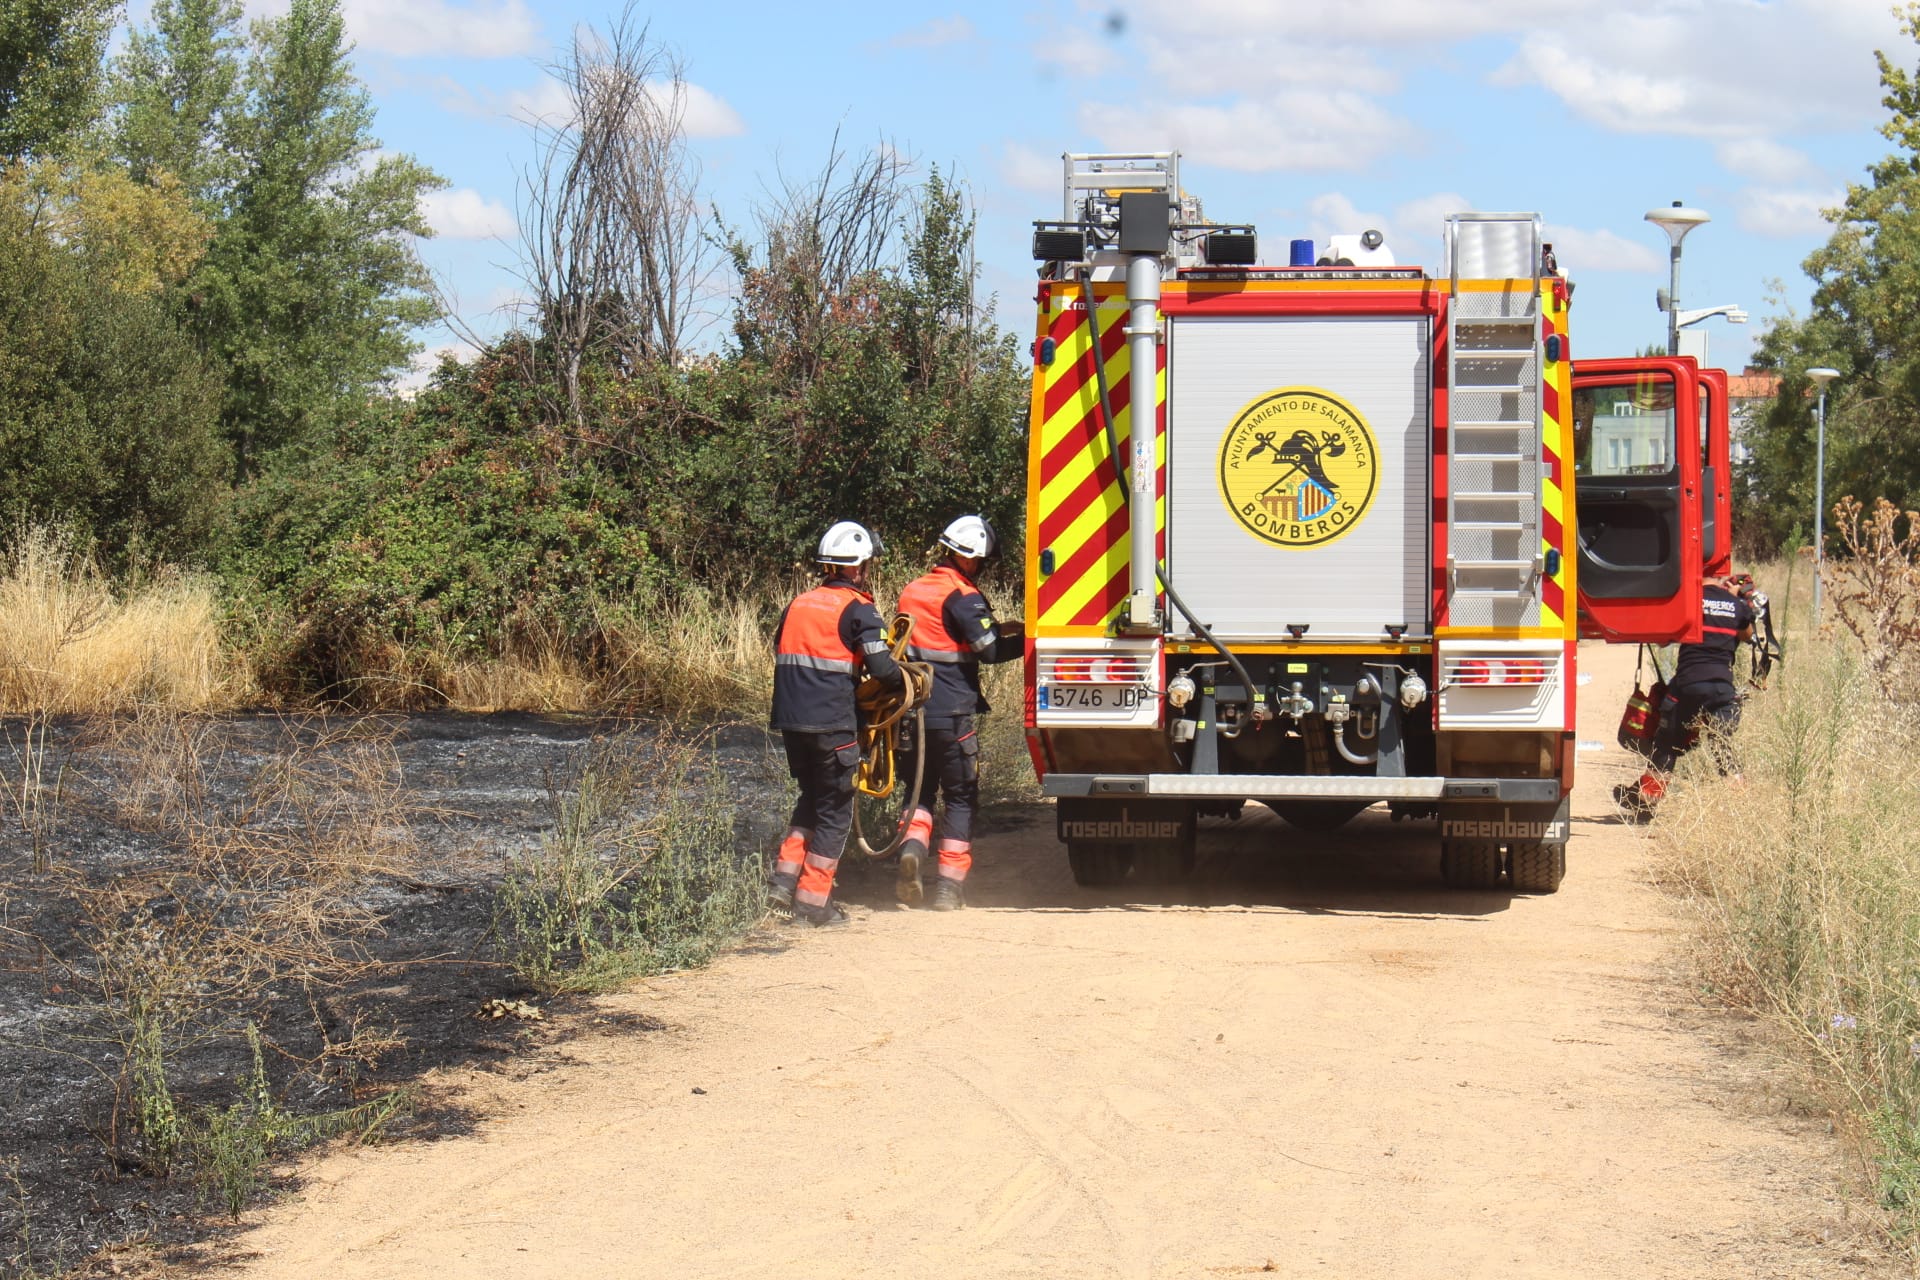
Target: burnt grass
column 71, row 1201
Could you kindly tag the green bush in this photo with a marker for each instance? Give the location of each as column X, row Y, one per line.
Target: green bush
column 108, row 414
column 443, row 523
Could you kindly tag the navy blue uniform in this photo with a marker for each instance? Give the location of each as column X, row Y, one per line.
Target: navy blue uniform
column 1701, row 692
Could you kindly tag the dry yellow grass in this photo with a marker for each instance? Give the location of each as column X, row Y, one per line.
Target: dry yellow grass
column 1803, row 874
column 73, row 643
column 704, row 654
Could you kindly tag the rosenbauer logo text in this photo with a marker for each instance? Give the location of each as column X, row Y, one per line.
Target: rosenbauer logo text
column 1298, row 467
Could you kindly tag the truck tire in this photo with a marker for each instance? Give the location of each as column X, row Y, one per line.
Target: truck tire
column 1318, row 816
column 1538, row 868
column 1163, row 864
column 1466, row 865
column 1098, row 866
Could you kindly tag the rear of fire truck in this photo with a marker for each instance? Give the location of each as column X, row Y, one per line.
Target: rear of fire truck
column 1304, row 536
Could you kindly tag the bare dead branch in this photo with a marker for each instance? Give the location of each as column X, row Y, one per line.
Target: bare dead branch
column 615, row 259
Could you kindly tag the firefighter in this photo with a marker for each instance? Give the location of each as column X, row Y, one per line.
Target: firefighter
column 1701, row 694
column 825, row 637
column 954, row 630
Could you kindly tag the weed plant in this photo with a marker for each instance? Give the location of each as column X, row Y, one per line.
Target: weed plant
column 642, row 872
column 1804, row 868
column 231, row 1147
column 243, row 899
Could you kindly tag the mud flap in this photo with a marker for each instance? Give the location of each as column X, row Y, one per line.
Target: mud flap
column 1134, row 822
column 1494, row 822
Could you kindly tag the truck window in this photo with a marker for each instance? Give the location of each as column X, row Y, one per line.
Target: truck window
column 1624, row 429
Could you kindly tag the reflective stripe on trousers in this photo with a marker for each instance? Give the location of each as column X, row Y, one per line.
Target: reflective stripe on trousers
column 920, row 827
column 793, row 851
column 816, row 880
column 956, row 859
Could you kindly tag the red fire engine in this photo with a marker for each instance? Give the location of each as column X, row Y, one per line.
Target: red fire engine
column 1346, row 557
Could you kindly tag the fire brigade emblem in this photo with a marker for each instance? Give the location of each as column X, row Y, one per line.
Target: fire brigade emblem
column 1298, row 467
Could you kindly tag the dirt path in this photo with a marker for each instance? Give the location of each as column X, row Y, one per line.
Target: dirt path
column 1315, row 1063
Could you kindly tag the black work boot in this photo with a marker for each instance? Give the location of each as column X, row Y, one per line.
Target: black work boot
column 827, row 917
column 947, row 895
column 780, row 889
column 907, row 887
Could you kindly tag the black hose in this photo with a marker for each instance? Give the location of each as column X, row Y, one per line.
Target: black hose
column 1126, row 490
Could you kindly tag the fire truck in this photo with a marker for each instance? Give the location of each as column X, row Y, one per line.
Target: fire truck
column 1324, row 536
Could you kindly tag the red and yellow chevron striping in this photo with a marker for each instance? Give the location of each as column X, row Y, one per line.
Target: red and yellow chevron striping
column 1556, row 445
column 1078, row 510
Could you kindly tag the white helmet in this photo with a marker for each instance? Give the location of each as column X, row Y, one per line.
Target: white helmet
column 848, row 543
column 970, row 536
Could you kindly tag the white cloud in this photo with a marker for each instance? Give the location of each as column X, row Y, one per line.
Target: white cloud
column 1732, row 69
column 1786, row 214
column 935, row 33
column 704, row 113
column 437, row 28
column 1416, row 23
column 1075, row 52
column 1297, row 130
column 1024, row 169
column 709, row 115
column 1419, row 224
column 464, row 214
column 1333, row 214
column 1741, row 72
column 547, row 102
column 1269, row 62
column 1764, row 160
column 1580, row 251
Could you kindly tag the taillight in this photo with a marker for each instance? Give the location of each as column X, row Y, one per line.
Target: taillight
column 1502, row 671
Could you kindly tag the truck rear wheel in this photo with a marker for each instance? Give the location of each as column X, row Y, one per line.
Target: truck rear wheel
column 1098, row 866
column 1163, row 864
column 1538, row 868
column 1465, row 865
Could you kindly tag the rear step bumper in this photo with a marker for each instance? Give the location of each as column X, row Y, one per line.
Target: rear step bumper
column 1262, row 786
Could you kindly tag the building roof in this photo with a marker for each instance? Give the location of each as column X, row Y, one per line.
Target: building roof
column 1753, row 385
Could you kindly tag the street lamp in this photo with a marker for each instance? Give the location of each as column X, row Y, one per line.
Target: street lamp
column 1820, row 378
column 1734, row 315
column 1695, row 344
column 1676, row 222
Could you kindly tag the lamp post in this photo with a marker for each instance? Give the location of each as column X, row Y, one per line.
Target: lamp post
column 1820, row 378
column 1695, row 344
column 1676, row 222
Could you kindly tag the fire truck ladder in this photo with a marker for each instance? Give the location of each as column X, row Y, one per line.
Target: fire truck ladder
column 1495, row 560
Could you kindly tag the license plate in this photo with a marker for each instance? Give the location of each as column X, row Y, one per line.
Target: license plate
column 1089, row 697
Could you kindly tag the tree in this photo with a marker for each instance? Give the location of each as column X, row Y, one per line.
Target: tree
column 311, row 287
column 866, row 382
column 136, row 237
column 1865, row 322
column 107, row 412
column 176, row 91
column 824, row 241
column 49, row 71
column 614, row 252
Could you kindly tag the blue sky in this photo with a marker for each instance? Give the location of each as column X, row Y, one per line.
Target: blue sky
column 1306, row 117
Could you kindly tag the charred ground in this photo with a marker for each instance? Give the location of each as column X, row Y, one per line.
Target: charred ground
column 474, row 791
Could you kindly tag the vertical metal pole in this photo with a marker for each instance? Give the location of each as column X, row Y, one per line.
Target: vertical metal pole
column 1819, row 504
column 1673, row 298
column 1143, row 413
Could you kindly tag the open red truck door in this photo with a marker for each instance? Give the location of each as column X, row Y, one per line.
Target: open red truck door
column 1716, row 474
column 1639, row 497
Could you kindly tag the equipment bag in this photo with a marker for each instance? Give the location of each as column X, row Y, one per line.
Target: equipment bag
column 1641, row 720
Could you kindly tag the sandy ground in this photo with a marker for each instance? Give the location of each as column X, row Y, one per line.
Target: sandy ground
column 1313, row 1061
